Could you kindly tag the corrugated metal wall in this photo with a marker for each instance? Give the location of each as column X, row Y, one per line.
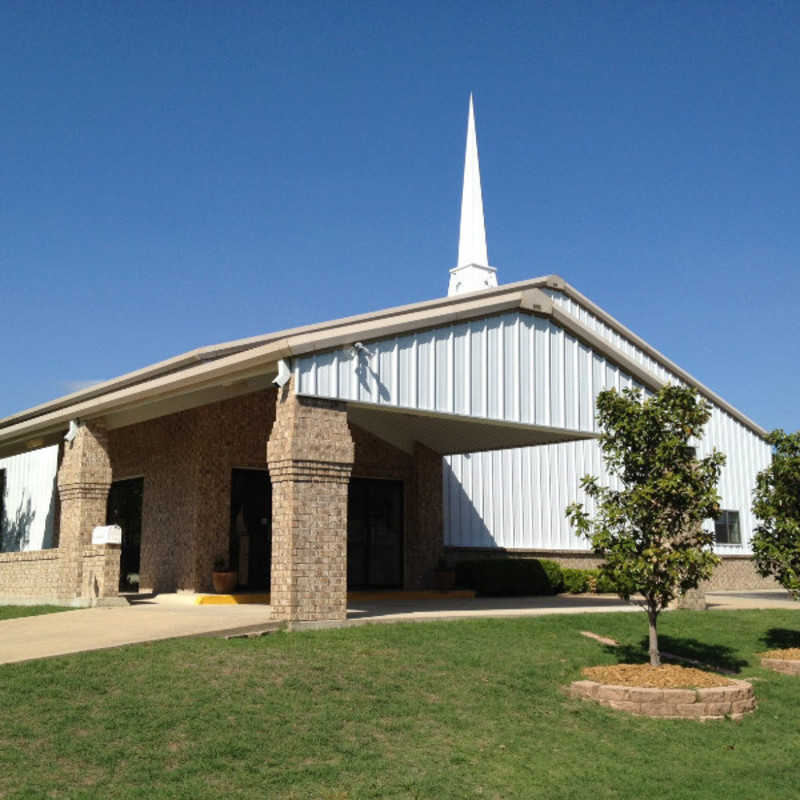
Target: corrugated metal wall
column 519, row 368
column 513, row 367
column 536, row 484
column 516, row 498
column 28, row 521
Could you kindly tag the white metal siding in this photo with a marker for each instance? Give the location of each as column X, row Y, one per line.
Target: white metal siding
column 29, row 502
column 519, row 368
column 549, row 475
column 605, row 331
column 516, row 498
column 513, row 367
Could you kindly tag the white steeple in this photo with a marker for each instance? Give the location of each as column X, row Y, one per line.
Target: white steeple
column 472, row 271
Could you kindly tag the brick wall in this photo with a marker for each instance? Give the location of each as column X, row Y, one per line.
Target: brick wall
column 426, row 540
column 31, row 577
column 186, row 460
column 310, row 455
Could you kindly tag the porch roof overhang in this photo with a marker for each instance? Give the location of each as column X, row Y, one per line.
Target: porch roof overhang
column 449, row 434
column 240, row 367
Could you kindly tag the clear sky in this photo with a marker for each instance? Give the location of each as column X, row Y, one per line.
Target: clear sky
column 180, row 174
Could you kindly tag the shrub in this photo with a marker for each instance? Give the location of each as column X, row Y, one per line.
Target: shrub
column 605, row 585
column 578, row 581
column 575, row 581
column 510, row 577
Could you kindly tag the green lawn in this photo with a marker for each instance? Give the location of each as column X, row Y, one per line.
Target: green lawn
column 439, row 710
column 11, row 612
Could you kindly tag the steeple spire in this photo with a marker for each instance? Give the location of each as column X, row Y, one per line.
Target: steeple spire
column 472, row 271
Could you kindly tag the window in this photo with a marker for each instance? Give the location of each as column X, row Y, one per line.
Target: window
column 726, row 528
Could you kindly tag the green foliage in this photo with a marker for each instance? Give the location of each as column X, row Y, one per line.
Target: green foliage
column 579, row 581
column 510, row 577
column 575, row 581
column 605, row 584
column 776, row 502
column 649, row 532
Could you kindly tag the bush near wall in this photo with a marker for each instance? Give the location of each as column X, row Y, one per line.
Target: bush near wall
column 510, row 577
column 579, row 581
column 518, row 577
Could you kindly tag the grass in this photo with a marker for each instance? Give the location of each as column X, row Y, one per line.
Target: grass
column 11, row 612
column 438, row 710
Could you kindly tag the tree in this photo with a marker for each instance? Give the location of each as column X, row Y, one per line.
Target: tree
column 650, row 532
column 776, row 502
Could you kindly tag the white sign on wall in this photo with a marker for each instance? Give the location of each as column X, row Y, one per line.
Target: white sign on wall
column 107, row 534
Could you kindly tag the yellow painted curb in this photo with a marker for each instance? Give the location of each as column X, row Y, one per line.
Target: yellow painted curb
column 231, row 599
column 363, row 597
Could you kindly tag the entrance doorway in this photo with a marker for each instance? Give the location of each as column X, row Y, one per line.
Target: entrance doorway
column 251, row 527
column 375, row 534
column 124, row 508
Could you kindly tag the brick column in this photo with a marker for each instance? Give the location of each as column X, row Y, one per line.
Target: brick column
column 425, row 539
column 84, row 478
column 310, row 455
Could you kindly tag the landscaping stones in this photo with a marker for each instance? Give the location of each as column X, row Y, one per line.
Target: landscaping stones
column 786, row 661
column 705, row 697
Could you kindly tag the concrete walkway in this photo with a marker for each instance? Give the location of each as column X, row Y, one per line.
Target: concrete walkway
column 173, row 616
column 401, row 610
column 767, row 598
column 163, row 617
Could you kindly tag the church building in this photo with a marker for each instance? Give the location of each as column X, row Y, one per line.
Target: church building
column 356, row 453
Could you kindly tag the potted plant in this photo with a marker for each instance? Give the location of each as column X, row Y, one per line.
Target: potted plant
column 444, row 577
column 223, row 577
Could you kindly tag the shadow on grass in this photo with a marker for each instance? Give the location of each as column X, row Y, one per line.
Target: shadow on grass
column 713, row 656
column 781, row 638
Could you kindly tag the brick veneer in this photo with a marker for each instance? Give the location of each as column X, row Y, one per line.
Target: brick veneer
column 31, row 577
column 100, row 574
column 186, row 460
column 425, row 544
column 310, row 455
column 76, row 572
column 719, row 702
column 84, row 477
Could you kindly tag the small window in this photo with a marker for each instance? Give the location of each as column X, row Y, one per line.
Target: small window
column 726, row 528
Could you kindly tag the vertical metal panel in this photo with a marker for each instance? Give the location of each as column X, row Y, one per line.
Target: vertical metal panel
column 511, row 367
column 545, row 479
column 517, row 367
column 460, row 381
column 28, row 522
column 442, row 372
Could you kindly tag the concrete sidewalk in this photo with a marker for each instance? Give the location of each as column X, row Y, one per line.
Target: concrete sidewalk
column 145, row 620
column 402, row 610
column 764, row 598
column 172, row 616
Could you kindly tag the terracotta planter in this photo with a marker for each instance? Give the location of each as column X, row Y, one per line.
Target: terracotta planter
column 224, row 582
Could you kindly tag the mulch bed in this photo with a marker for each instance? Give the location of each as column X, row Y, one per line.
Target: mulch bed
column 667, row 676
column 788, row 654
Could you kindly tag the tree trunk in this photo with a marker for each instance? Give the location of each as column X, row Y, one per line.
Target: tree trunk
column 655, row 655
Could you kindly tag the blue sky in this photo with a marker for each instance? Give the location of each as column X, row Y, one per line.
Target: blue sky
column 179, row 174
